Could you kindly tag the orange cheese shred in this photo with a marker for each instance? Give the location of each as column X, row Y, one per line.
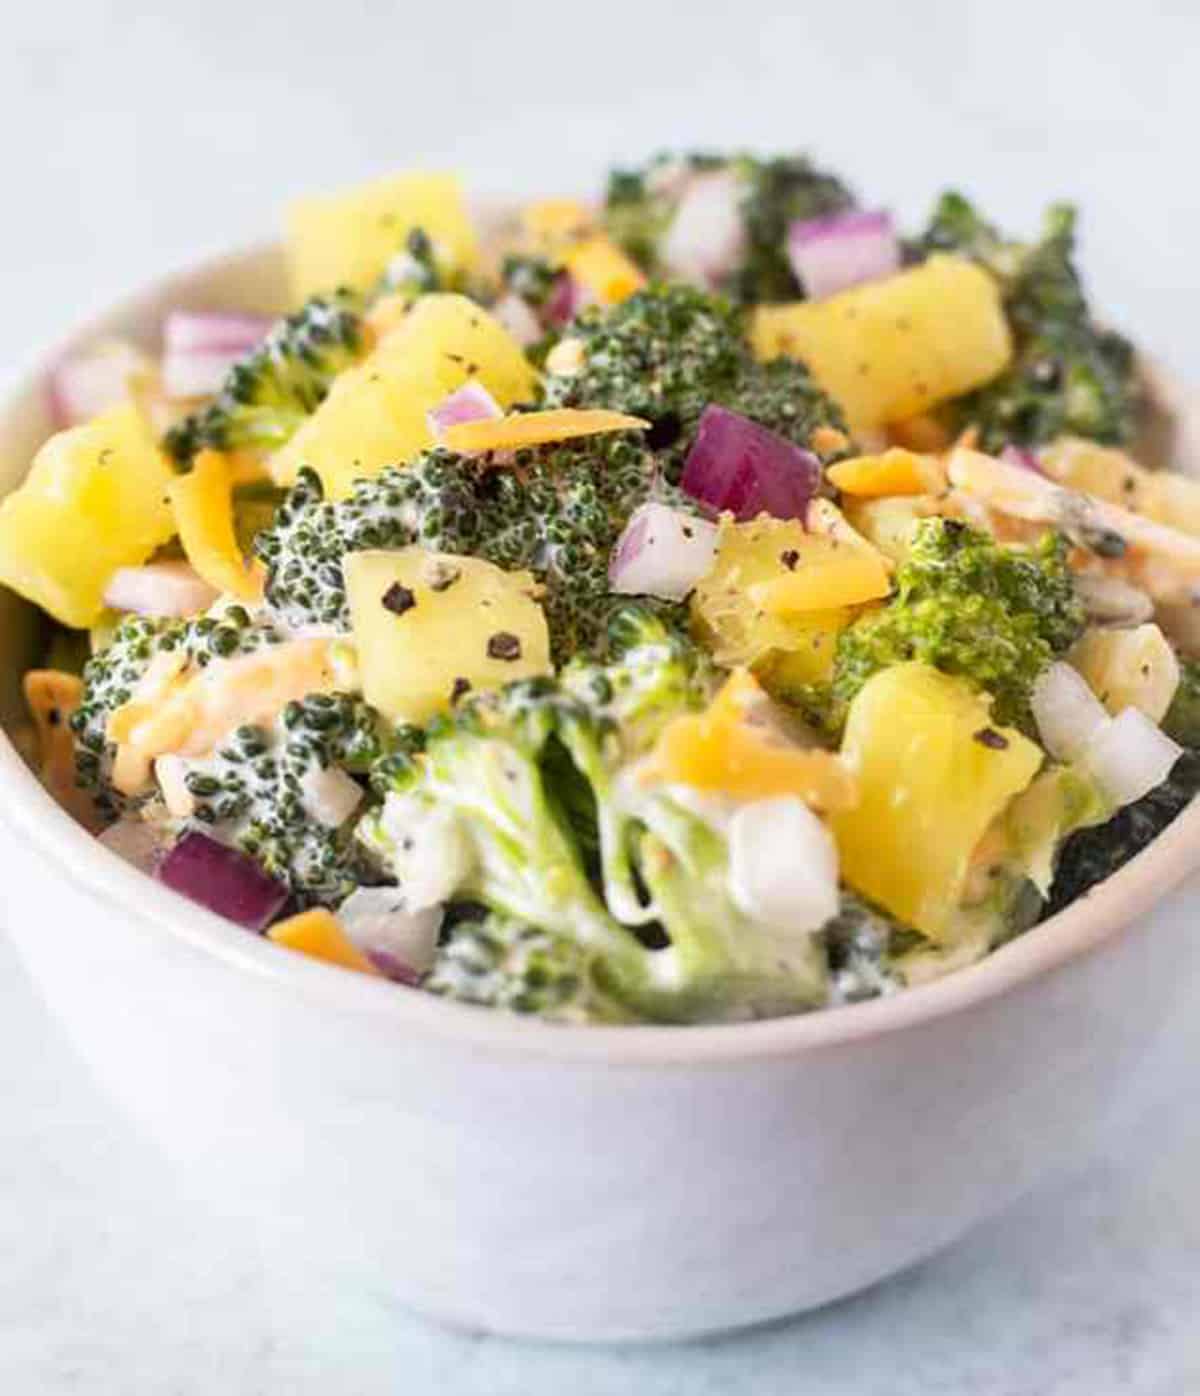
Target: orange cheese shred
column 319, row 933
column 202, row 501
column 600, row 267
column 520, row 429
column 52, row 696
column 896, row 471
column 730, row 749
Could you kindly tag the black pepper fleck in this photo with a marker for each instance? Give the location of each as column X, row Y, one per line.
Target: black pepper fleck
column 460, row 688
column 990, row 738
column 789, row 559
column 398, row 599
column 504, row 645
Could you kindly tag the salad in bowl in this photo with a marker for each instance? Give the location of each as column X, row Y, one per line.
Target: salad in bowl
column 700, row 604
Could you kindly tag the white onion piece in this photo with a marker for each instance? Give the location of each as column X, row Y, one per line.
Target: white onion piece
column 783, row 865
column 1130, row 756
column 707, row 235
column 663, row 552
column 84, row 385
column 189, row 331
column 518, row 319
column 159, row 589
column 830, row 254
column 470, row 403
column 329, row 795
column 378, row 922
column 197, row 373
column 1068, row 714
column 140, row 844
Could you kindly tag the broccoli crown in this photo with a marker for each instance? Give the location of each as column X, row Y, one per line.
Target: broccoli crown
column 640, row 204
column 496, row 962
column 261, row 788
column 968, row 605
column 270, row 391
column 1068, row 376
column 862, row 943
column 111, row 675
column 1182, row 720
column 670, row 350
column 558, row 511
column 1093, row 854
column 553, row 831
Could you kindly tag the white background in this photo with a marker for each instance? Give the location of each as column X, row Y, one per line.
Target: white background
column 135, row 137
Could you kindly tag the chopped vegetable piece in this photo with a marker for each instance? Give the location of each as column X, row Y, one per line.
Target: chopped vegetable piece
column 1129, row 668
column 319, row 934
column 223, row 880
column 737, row 466
column 825, row 577
column 840, row 250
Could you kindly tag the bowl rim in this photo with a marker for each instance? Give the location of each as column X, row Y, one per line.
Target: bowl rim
column 1080, row 929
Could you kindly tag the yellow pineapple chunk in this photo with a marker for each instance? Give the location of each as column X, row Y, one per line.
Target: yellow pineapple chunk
column 735, row 748
column 1134, row 668
column 348, row 238
column 94, row 500
column 777, row 589
column 891, row 349
column 375, row 414
column 431, row 627
column 933, row 772
column 550, row 225
column 320, row 934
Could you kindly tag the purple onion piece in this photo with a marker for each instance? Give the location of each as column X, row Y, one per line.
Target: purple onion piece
column 840, row 250
column 564, row 302
column 223, row 880
column 394, row 968
column 737, row 466
column 470, row 403
column 1024, row 457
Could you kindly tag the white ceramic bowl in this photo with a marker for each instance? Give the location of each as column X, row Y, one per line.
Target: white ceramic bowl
column 573, row 1183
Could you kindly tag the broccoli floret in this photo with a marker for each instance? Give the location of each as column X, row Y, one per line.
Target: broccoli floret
column 861, row 944
column 263, row 789
column 270, row 391
column 1182, row 721
column 640, row 204
column 496, row 962
column 1093, row 854
column 110, row 676
column 558, row 511
column 1069, row 376
column 551, row 829
column 669, row 351
column 996, row 615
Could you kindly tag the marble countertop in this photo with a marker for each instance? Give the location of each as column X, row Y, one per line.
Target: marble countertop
column 137, row 140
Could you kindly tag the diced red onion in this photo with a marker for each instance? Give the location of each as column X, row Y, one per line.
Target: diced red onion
column 400, row 942
column 783, row 865
column 832, row 253
column 1130, row 756
column 470, row 403
column 159, row 589
column 663, row 552
column 566, row 300
column 1022, row 456
column 518, row 319
column 223, row 880
column 201, row 346
column 137, row 842
column 186, row 331
column 738, row 466
column 707, row 235
column 1067, row 713
column 84, row 385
